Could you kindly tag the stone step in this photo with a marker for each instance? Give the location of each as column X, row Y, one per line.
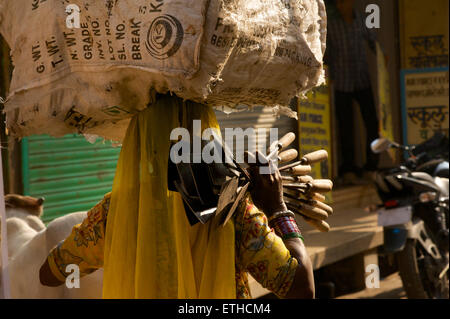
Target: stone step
column 354, row 197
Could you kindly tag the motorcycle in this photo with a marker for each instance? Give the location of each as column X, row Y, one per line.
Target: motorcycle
column 415, row 215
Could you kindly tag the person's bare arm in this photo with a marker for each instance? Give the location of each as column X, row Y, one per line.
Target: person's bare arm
column 46, row 276
column 303, row 285
column 267, row 194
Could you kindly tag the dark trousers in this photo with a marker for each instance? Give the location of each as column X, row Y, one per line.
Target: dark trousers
column 344, row 112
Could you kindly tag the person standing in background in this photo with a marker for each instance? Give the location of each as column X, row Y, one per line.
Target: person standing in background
column 349, row 73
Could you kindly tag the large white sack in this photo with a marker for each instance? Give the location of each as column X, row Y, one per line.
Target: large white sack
column 92, row 79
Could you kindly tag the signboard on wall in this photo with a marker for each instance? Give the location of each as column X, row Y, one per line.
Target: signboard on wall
column 424, row 33
column 315, row 128
column 425, row 104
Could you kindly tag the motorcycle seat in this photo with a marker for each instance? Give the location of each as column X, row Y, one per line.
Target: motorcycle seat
column 423, row 176
column 443, row 185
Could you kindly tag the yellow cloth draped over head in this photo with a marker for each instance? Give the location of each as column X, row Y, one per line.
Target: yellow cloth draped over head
column 151, row 250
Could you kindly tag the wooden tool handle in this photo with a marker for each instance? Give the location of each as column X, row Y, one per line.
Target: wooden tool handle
column 317, row 196
column 320, row 225
column 288, row 179
column 322, row 206
column 287, row 156
column 292, row 192
column 304, row 179
column 297, row 179
column 300, row 170
column 307, row 210
column 286, row 140
column 315, row 157
column 297, row 186
column 314, row 212
column 326, row 181
column 321, row 186
column 282, row 143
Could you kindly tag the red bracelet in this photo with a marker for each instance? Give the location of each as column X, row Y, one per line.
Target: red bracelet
column 286, row 227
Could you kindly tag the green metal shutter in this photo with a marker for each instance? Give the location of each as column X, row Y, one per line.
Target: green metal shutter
column 71, row 173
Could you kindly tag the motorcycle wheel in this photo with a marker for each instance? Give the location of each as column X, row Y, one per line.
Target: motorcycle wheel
column 411, row 263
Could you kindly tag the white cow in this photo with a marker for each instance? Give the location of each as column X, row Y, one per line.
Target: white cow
column 29, row 244
column 23, row 220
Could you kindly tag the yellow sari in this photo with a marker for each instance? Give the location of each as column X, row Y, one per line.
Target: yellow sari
column 151, row 251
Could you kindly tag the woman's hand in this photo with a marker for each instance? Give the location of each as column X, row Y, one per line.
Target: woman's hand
column 266, row 185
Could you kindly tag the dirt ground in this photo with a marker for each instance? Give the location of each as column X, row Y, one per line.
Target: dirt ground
column 390, row 288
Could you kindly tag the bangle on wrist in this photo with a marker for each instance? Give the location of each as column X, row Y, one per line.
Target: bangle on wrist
column 286, row 227
column 293, row 235
column 285, row 213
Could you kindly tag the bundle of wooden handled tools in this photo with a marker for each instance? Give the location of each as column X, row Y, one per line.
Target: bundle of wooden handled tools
column 302, row 194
